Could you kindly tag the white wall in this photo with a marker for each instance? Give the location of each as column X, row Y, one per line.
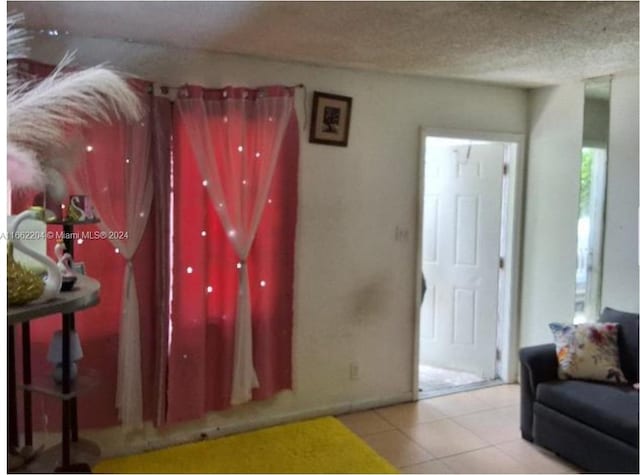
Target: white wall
column 354, row 286
column 551, row 210
column 620, row 269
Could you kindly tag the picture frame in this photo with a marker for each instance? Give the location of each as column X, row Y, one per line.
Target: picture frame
column 330, row 119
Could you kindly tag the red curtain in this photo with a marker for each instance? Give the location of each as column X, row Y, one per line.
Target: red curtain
column 205, row 299
column 198, row 367
column 98, row 327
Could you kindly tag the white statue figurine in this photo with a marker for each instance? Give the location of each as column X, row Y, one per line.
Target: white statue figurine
column 65, row 262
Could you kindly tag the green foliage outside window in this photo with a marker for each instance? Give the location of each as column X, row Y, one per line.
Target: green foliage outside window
column 585, row 181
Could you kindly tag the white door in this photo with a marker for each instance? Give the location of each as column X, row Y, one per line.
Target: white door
column 461, row 241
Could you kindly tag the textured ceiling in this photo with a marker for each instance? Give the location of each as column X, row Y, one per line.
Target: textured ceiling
column 517, row 43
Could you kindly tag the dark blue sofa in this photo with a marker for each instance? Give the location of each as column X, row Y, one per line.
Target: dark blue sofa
column 592, row 425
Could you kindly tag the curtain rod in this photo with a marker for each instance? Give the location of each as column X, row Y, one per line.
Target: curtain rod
column 165, row 90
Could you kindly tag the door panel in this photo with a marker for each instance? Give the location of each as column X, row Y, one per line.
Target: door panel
column 462, row 212
column 466, row 232
column 464, row 316
column 430, row 237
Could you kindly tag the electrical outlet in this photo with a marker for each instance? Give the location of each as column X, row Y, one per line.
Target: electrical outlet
column 354, row 371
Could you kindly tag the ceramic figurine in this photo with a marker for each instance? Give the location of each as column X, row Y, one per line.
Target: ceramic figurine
column 65, row 265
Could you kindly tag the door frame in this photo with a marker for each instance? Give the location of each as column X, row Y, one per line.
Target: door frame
column 510, row 303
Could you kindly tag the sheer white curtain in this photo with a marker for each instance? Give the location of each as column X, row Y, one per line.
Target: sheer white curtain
column 236, row 135
column 117, row 177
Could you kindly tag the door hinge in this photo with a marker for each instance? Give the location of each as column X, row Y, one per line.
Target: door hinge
column 505, row 169
column 501, row 263
column 498, row 354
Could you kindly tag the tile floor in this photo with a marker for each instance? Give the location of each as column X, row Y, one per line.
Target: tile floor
column 473, row 432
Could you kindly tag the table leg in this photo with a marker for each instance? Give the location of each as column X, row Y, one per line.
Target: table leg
column 13, row 395
column 66, row 388
column 73, row 405
column 74, row 401
column 26, row 378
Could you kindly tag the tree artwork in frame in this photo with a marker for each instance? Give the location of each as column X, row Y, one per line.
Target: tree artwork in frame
column 330, row 118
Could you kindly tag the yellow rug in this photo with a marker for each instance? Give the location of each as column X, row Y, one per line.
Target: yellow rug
column 322, row 445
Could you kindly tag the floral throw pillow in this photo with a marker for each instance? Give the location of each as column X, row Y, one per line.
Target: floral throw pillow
column 588, row 351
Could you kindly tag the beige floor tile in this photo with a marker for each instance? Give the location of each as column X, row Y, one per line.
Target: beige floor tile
column 457, row 404
column 536, row 459
column 397, row 448
column 494, row 425
column 365, row 423
column 488, row 460
column 499, row 396
column 434, row 466
column 408, row 415
column 445, row 437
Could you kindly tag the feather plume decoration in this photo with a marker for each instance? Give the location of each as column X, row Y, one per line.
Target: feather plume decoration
column 23, row 169
column 60, row 162
column 17, row 48
column 41, row 113
column 16, row 37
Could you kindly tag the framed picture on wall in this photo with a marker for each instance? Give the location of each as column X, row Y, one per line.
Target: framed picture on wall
column 330, row 118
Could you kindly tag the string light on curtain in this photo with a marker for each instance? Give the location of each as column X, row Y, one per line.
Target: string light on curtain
column 89, row 148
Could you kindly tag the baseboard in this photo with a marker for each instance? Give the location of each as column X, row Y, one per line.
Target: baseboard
column 154, row 440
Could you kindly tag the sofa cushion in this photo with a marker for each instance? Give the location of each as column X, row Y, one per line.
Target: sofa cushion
column 627, row 340
column 588, row 351
column 604, row 407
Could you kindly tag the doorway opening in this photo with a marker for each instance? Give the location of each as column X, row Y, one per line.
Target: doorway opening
column 468, row 261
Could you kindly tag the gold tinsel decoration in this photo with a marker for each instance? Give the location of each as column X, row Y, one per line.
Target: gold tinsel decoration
column 23, row 286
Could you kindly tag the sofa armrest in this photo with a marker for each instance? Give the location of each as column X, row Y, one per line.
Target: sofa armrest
column 540, row 363
column 537, row 365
